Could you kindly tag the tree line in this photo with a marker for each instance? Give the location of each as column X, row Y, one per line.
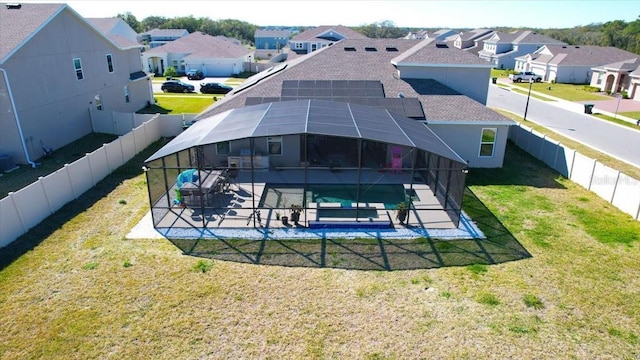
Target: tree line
column 618, row 33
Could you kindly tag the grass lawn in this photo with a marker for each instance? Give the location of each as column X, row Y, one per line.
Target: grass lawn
column 526, row 92
column 25, row 174
column 615, row 120
column 167, row 103
column 564, row 91
column 557, row 278
column 631, row 114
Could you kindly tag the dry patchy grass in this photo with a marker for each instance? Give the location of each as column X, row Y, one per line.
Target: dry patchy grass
column 146, row 299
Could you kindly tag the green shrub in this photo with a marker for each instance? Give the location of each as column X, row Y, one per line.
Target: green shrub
column 170, row 71
column 488, row 299
column 90, row 266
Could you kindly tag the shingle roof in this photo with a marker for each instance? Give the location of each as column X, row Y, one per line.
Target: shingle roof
column 271, row 33
column 18, row 25
column 165, row 32
column 440, row 103
column 583, row 55
column 474, row 34
column 203, row 45
column 532, row 37
column 433, row 52
column 106, row 25
column 314, row 33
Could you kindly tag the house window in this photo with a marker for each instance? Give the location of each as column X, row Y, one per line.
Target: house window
column 110, row 63
column 275, row 145
column 98, row 99
column 487, row 142
column 223, row 148
column 298, row 46
column 78, row 66
column 600, row 77
column 126, row 94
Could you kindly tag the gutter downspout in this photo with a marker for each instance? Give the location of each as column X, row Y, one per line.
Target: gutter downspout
column 15, row 113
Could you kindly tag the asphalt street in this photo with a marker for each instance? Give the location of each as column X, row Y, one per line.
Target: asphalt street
column 616, row 140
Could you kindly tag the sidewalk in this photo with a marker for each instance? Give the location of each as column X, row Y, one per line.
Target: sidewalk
column 605, row 107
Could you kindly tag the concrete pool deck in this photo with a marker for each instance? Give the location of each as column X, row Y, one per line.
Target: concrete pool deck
column 467, row 229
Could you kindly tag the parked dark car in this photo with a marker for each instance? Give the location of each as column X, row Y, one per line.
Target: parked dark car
column 195, row 75
column 177, row 86
column 214, row 88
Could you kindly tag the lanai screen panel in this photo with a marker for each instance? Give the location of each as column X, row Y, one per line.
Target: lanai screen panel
column 284, row 118
column 331, row 118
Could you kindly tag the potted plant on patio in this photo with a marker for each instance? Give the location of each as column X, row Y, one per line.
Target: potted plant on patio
column 401, row 212
column 295, row 213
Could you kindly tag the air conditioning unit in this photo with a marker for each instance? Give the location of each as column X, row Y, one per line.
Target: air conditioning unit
column 6, row 162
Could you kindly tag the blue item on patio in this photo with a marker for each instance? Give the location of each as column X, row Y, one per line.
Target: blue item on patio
column 190, row 175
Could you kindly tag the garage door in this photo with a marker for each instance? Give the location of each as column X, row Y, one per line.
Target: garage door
column 218, row 70
column 636, row 93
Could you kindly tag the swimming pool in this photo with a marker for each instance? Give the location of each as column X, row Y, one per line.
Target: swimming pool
column 283, row 196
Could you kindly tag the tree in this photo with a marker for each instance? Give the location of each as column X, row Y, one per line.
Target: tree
column 383, row 29
column 131, row 21
column 153, row 22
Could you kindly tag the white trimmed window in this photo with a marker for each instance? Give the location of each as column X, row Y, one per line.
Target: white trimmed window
column 298, row 45
column 487, row 142
column 110, row 63
column 126, row 94
column 274, row 144
column 600, row 77
column 77, row 64
column 223, row 148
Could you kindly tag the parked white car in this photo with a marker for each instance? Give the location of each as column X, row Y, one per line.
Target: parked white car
column 525, row 76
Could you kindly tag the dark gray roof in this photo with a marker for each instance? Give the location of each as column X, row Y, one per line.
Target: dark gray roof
column 439, row 102
column 583, row 55
column 433, row 52
column 17, row 25
column 166, row 32
column 310, row 117
column 106, row 26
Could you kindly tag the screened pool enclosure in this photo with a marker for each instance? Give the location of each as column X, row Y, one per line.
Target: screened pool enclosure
column 305, row 163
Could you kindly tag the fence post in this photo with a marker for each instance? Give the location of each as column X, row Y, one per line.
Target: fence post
column 93, row 179
column 73, row 190
column 15, row 206
column 46, row 196
column 615, row 187
column 593, row 170
column 573, row 162
column 106, row 154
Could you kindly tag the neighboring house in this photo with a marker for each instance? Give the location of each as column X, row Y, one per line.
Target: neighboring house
column 472, row 41
column 271, row 39
column 438, row 85
column 158, row 37
column 442, row 34
column 501, row 49
column 56, row 69
column 322, row 36
column 116, row 29
column 570, row 64
column 619, row 77
column 213, row 55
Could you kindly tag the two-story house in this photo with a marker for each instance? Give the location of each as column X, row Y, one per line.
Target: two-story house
column 472, row 41
column 501, row 49
column 158, row 37
column 56, row 68
column 322, row 36
column 266, row 39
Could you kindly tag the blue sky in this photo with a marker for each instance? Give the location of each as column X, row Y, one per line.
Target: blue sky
column 412, row 13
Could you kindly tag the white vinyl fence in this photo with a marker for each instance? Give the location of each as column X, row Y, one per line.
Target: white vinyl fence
column 619, row 189
column 27, row 207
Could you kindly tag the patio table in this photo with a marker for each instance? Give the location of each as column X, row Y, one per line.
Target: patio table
column 207, row 182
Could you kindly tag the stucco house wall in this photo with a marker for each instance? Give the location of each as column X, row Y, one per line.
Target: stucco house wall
column 56, row 111
column 466, row 138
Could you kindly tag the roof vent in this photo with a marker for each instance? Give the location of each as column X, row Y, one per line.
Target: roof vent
column 349, row 48
column 441, row 45
column 400, row 95
column 577, row 47
column 14, row 6
column 564, row 47
column 391, row 48
column 370, row 49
